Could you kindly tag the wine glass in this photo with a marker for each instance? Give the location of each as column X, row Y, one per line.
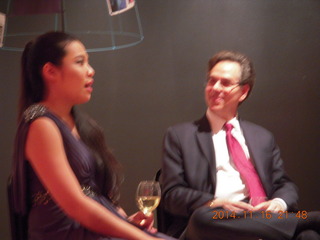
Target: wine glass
column 148, row 196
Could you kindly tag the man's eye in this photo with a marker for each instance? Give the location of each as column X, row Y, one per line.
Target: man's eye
column 212, row 82
column 225, row 83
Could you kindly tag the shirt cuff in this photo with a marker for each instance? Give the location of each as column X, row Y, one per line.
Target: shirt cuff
column 281, row 202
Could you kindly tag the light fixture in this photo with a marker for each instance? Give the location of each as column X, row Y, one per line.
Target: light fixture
column 90, row 20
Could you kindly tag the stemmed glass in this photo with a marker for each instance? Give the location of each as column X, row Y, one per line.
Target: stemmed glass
column 148, row 196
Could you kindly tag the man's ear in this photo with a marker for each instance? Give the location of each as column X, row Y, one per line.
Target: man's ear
column 49, row 71
column 245, row 91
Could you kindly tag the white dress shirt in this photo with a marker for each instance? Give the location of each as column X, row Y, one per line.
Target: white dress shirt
column 228, row 182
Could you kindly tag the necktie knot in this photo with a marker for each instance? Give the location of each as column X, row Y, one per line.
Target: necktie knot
column 228, row 127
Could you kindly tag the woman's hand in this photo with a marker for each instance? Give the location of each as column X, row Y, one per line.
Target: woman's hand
column 144, row 221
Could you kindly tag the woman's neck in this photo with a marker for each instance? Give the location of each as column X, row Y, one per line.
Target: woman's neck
column 62, row 111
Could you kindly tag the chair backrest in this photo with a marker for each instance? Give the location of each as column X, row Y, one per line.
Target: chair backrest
column 163, row 218
column 18, row 222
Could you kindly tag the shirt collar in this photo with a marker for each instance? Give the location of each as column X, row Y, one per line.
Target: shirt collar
column 217, row 122
column 235, row 123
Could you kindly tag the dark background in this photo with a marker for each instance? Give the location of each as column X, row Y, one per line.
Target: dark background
column 141, row 90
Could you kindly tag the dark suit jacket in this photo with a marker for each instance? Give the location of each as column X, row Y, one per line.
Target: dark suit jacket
column 189, row 171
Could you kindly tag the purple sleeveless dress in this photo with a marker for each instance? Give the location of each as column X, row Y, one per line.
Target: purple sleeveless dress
column 46, row 220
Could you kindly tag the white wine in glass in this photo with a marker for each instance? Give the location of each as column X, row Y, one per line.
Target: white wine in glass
column 148, row 196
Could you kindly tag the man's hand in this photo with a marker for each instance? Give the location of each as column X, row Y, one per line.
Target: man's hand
column 236, row 206
column 271, row 205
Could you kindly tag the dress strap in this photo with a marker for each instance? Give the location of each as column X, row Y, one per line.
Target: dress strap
column 34, row 111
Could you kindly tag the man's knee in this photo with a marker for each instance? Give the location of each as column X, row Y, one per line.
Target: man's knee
column 308, row 235
column 201, row 218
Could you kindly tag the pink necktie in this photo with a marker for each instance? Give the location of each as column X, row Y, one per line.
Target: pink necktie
column 245, row 168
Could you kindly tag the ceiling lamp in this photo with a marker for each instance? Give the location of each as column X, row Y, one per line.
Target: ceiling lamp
column 102, row 25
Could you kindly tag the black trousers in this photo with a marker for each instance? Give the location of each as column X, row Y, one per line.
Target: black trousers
column 219, row 224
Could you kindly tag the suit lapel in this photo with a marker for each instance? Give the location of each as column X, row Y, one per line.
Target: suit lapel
column 204, row 138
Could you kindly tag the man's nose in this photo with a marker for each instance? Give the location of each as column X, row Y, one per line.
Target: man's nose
column 217, row 86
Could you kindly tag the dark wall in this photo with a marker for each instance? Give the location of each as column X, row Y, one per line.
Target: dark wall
column 141, row 90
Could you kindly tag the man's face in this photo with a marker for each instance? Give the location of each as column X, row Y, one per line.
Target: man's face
column 223, row 92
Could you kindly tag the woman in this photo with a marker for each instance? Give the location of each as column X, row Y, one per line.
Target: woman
column 64, row 177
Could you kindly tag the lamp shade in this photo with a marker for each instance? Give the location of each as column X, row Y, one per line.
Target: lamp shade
column 90, row 20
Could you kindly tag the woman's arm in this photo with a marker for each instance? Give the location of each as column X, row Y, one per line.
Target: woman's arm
column 45, row 151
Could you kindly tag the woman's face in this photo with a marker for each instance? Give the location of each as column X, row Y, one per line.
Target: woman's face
column 75, row 74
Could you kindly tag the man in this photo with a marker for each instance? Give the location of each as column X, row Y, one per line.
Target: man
column 202, row 177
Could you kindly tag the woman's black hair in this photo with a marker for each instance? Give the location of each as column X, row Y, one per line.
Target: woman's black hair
column 50, row 47
column 108, row 170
